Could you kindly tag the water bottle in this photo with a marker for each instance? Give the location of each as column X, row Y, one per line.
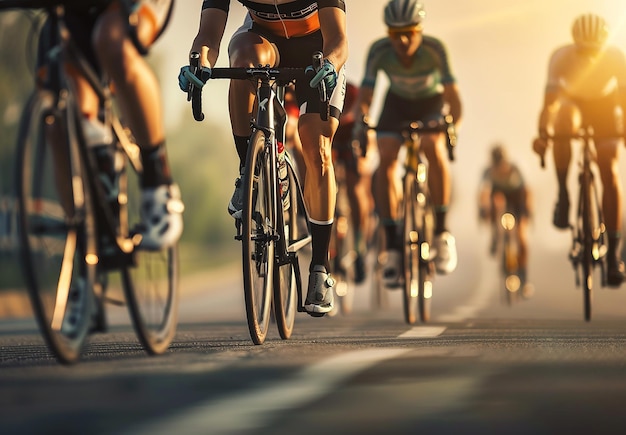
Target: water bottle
column 282, row 176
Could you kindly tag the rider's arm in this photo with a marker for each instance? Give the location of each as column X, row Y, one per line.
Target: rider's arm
column 551, row 95
column 209, row 37
column 452, row 98
column 363, row 103
column 333, row 27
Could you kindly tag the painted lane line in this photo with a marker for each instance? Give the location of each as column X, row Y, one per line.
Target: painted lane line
column 423, row 332
column 253, row 409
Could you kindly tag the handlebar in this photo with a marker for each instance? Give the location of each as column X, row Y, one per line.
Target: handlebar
column 444, row 124
column 198, row 76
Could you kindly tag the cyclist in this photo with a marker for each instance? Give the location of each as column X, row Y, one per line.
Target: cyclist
column 359, row 166
column 586, row 86
column 503, row 190
column 421, row 86
column 286, row 33
column 100, row 31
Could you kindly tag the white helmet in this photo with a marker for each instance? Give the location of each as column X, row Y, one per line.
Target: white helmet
column 590, row 31
column 404, row 13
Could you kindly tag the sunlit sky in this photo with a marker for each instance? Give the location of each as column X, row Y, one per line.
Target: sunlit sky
column 498, row 51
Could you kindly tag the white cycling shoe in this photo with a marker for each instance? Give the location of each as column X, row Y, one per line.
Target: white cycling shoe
column 161, row 216
column 445, row 253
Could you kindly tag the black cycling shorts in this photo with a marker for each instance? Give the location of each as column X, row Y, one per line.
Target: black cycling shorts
column 398, row 111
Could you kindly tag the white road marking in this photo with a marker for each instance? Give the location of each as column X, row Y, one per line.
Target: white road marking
column 252, row 409
column 423, row 332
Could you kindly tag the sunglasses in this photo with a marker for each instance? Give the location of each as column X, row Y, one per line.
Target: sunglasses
column 398, row 32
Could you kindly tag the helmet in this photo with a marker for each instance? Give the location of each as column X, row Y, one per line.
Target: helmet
column 590, row 31
column 498, row 154
column 404, row 13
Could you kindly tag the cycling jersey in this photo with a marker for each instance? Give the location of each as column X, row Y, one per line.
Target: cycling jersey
column 592, row 83
column 284, row 18
column 587, row 77
column 424, row 78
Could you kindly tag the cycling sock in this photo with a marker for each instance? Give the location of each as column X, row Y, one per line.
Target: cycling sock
column 320, row 241
column 241, row 143
column 440, row 218
column 156, row 170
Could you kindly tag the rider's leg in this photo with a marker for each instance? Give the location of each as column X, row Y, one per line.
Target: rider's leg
column 137, row 91
column 439, row 184
column 357, row 188
column 388, row 189
column 567, row 121
column 320, row 190
column 608, row 164
column 245, row 49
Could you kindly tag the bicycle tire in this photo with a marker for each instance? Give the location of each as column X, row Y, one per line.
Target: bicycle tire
column 150, row 278
column 57, row 247
column 588, row 215
column 258, row 224
column 425, row 285
column 412, row 229
column 286, row 285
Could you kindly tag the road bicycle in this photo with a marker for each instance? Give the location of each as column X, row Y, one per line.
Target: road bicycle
column 417, row 214
column 79, row 223
column 508, row 249
column 589, row 239
column 273, row 233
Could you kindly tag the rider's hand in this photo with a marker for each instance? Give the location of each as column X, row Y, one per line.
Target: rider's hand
column 540, row 146
column 183, row 81
column 359, row 134
column 327, row 74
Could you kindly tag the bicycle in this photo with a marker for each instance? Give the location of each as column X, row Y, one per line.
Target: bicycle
column 271, row 239
column 417, row 213
column 589, row 239
column 78, row 223
column 508, row 248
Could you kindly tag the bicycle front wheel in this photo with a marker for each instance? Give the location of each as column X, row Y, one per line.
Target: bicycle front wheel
column 412, row 229
column 286, row 274
column 56, row 225
column 590, row 225
column 258, row 227
column 150, row 280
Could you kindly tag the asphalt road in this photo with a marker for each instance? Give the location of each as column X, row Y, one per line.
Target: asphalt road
column 479, row 367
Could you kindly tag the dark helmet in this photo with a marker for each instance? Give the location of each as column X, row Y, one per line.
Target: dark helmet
column 498, row 154
column 404, row 13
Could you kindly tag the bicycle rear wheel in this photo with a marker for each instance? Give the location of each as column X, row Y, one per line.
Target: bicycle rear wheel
column 412, row 229
column 287, row 275
column 150, row 279
column 258, row 226
column 56, row 225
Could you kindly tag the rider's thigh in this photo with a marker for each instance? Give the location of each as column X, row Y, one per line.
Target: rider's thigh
column 250, row 49
column 388, row 148
column 433, row 145
column 567, row 119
